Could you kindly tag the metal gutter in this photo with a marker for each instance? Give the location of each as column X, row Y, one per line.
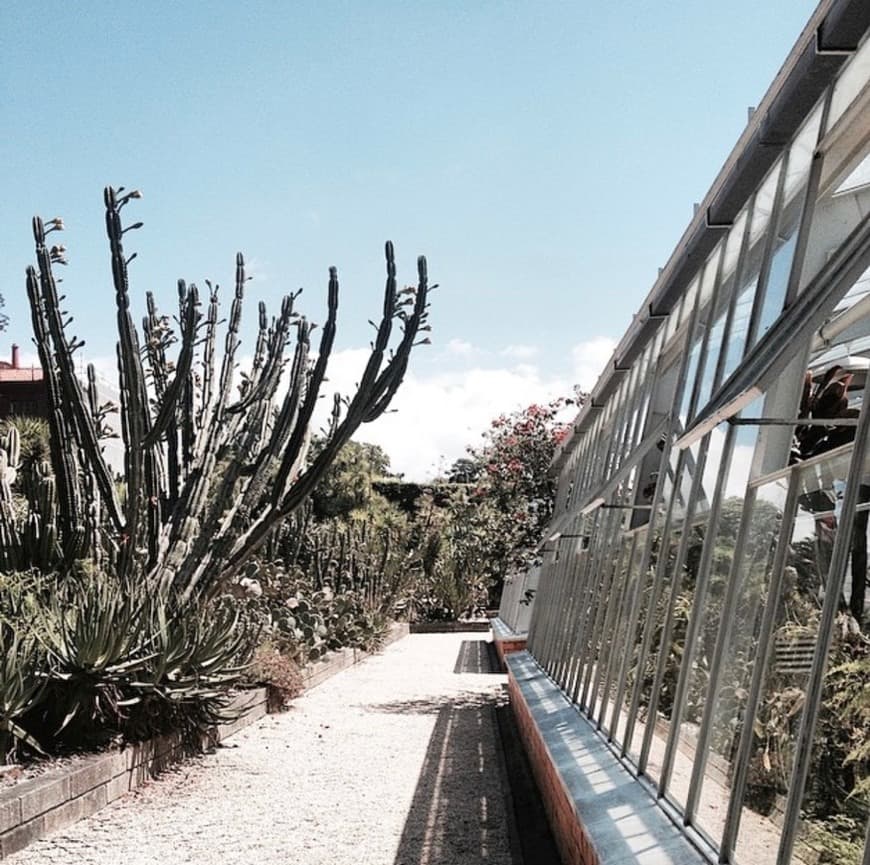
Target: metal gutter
column 831, row 35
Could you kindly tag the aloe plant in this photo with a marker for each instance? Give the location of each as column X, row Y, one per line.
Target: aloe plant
column 125, row 661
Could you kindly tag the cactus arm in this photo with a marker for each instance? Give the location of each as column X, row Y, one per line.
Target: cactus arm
column 52, row 342
column 208, row 358
column 201, row 451
column 263, row 470
column 364, row 401
column 157, row 339
column 169, row 403
column 231, row 341
column 392, row 376
column 60, row 438
column 10, row 535
column 303, row 421
column 269, row 362
column 130, row 367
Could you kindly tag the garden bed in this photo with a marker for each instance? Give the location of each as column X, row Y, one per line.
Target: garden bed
column 37, row 806
column 449, row 627
column 76, row 787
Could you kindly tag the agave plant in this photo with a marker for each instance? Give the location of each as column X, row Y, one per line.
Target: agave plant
column 22, row 679
column 196, row 654
column 96, row 637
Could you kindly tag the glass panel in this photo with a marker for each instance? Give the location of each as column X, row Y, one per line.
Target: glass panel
column 841, row 208
column 800, row 155
column 853, row 78
column 750, row 271
column 655, row 612
column 621, row 630
column 780, row 268
column 586, row 617
column 717, row 331
column 788, row 660
column 707, row 599
column 836, row 803
column 740, row 652
column 858, row 178
column 725, row 303
column 614, row 574
column 712, row 318
column 763, row 206
column 634, row 636
column 612, row 625
column 674, row 319
column 791, row 209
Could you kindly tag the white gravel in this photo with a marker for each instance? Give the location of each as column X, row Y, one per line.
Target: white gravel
column 391, row 762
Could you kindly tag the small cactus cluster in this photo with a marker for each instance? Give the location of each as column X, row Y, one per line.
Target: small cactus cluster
column 210, row 470
column 374, row 562
column 28, row 533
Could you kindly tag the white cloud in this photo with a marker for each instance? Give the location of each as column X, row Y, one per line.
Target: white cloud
column 520, row 351
column 440, row 413
column 461, row 347
column 589, row 359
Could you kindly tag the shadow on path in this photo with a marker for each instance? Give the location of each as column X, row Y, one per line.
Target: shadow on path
column 458, row 815
column 476, row 800
column 476, row 656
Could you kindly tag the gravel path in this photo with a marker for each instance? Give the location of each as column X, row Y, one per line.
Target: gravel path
column 391, row 762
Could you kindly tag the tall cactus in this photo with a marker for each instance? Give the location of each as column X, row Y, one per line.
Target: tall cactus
column 208, row 474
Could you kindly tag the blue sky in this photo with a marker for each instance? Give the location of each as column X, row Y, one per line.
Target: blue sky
column 544, row 156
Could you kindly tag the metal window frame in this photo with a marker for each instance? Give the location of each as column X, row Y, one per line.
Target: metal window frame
column 793, row 329
column 814, row 687
column 590, row 648
column 619, row 583
column 621, row 618
column 757, row 682
column 698, row 606
column 675, row 588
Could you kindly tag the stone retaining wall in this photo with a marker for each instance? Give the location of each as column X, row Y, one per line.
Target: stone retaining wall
column 449, row 627
column 334, row 662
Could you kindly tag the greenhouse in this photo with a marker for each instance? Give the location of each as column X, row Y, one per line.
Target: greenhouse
column 702, row 599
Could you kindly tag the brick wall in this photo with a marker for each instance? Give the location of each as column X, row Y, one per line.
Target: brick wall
column 574, row 844
column 506, row 646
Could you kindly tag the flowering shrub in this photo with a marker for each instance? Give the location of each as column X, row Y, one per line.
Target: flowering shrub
column 511, row 500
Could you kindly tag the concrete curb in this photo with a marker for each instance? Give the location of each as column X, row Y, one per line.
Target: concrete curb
column 506, row 641
column 40, row 806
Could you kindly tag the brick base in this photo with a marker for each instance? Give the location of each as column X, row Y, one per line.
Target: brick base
column 574, row 845
column 504, row 647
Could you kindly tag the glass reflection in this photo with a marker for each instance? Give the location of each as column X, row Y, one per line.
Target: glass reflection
column 634, row 636
column 621, row 630
column 705, row 599
column 655, row 613
column 789, row 658
column 604, row 627
column 738, row 635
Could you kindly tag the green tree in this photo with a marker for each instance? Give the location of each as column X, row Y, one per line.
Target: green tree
column 347, row 485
